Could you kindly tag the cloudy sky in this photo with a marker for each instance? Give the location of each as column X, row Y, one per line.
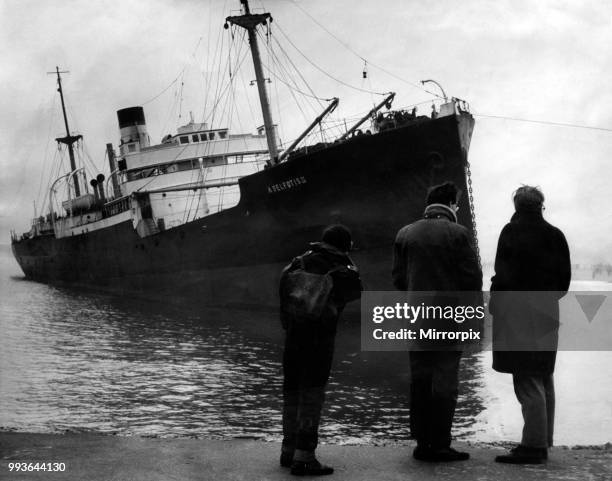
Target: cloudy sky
column 536, row 60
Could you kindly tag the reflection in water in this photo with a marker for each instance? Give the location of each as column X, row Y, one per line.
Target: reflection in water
column 73, row 360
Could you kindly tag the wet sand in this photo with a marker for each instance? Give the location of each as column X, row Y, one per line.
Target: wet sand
column 99, row 457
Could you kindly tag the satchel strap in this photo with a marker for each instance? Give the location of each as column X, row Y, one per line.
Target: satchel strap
column 303, row 265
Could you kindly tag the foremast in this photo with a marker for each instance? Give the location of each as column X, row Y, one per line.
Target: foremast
column 68, row 139
column 250, row 22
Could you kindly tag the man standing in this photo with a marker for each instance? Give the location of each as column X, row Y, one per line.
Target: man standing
column 309, row 345
column 435, row 254
column 532, row 257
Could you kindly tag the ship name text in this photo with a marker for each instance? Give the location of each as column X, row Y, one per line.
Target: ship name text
column 286, row 184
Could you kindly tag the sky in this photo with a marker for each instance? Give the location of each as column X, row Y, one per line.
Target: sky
column 544, row 61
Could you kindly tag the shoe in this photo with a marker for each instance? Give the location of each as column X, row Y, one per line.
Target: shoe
column 520, row 449
column 286, row 459
column 310, row 468
column 422, row 453
column 445, row 455
column 524, row 455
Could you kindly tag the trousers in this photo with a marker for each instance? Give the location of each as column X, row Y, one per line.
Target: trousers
column 536, row 394
column 433, row 396
column 307, row 360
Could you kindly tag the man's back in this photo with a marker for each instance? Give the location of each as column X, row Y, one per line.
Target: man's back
column 532, row 255
column 435, row 254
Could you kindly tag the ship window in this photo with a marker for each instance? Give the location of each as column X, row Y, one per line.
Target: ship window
column 203, row 137
column 184, row 139
column 223, row 134
column 184, row 165
column 212, row 136
column 195, row 138
column 132, row 148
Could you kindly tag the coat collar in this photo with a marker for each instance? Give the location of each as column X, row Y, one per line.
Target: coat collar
column 527, row 216
column 438, row 211
column 328, row 248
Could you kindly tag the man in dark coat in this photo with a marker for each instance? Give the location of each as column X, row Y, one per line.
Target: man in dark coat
column 532, row 272
column 435, row 254
column 309, row 349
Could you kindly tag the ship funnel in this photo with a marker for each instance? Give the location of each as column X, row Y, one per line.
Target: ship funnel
column 94, row 184
column 133, row 130
column 100, row 179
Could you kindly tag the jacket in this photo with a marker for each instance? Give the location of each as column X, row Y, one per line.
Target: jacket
column 320, row 259
column 435, row 262
column 532, row 272
column 435, row 254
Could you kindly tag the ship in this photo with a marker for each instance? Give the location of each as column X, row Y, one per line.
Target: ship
column 210, row 216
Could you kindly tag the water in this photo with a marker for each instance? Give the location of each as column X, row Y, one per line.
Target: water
column 83, row 361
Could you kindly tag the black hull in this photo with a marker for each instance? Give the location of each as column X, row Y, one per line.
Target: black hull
column 373, row 183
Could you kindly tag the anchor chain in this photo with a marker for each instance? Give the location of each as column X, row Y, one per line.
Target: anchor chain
column 472, row 210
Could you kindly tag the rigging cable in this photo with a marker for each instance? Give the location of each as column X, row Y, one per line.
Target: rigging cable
column 44, row 169
column 248, row 101
column 181, row 97
column 545, row 122
column 276, row 60
column 294, row 88
column 288, row 57
column 281, row 124
column 311, row 94
column 220, row 95
column 202, row 171
column 348, row 47
column 218, row 91
column 207, row 74
column 155, row 97
column 228, row 108
column 323, row 71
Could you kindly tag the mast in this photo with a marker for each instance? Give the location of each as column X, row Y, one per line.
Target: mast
column 113, row 169
column 68, row 139
column 250, row 22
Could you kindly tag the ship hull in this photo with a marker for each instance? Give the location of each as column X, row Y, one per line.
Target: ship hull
column 374, row 184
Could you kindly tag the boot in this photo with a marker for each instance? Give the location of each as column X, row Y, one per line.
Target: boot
column 445, row 455
column 286, row 459
column 310, row 468
column 524, row 455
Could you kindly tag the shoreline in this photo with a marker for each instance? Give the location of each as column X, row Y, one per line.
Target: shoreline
column 106, row 456
column 382, row 444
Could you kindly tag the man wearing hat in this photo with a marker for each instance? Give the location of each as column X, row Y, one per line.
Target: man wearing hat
column 309, row 349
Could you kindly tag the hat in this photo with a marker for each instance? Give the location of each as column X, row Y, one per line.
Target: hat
column 338, row 236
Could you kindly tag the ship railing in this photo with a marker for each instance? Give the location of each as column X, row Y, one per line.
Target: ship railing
column 403, row 116
column 52, row 191
column 224, row 182
column 116, row 206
